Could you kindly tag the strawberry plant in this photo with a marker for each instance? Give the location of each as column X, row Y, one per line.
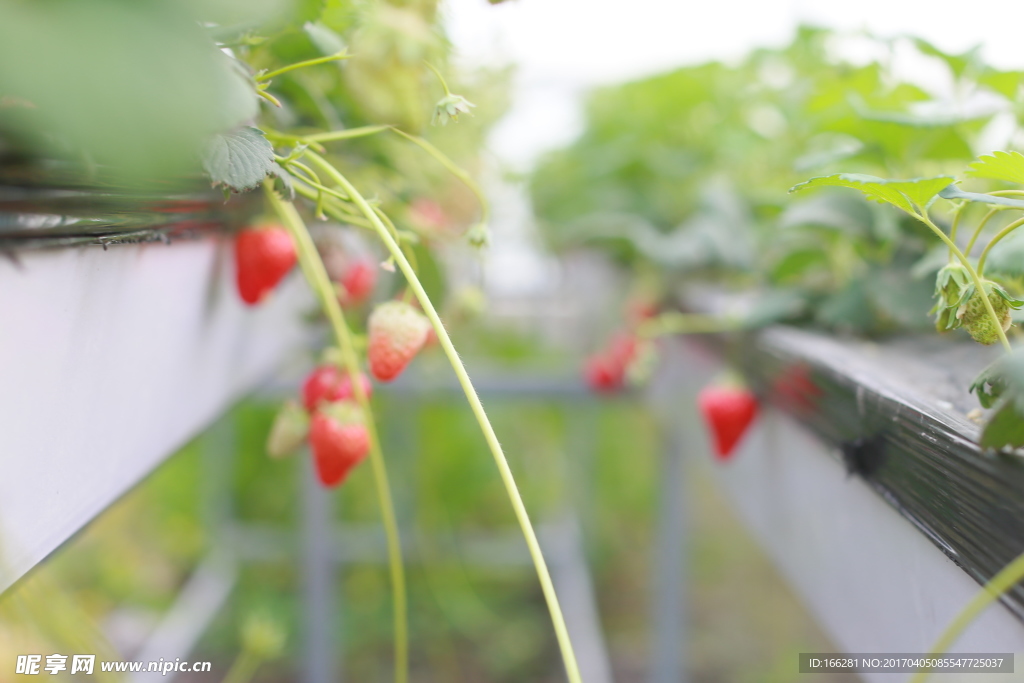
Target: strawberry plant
column 325, row 106
column 717, row 180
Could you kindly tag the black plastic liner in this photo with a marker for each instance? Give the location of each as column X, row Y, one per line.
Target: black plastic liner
column 54, row 204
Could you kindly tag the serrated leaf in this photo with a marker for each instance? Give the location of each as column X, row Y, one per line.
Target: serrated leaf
column 904, row 194
column 1008, row 166
column 239, row 160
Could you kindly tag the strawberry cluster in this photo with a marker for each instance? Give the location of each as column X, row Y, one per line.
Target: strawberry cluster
column 330, row 419
column 626, row 358
column 330, row 416
column 605, row 371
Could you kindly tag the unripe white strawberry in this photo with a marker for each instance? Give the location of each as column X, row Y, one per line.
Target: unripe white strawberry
column 397, row 333
column 291, row 425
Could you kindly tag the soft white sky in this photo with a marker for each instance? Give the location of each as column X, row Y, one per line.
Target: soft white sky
column 564, row 46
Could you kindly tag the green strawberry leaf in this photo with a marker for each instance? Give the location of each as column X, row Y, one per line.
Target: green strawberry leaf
column 1005, row 429
column 903, row 194
column 239, row 160
column 1002, row 380
column 957, row 63
column 1006, row 83
column 1008, row 166
column 989, row 385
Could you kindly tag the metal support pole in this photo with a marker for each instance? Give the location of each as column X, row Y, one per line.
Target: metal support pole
column 317, row 579
column 668, row 664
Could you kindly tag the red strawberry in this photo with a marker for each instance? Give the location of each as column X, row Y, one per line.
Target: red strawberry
column 728, row 412
column 358, row 280
column 602, row 374
column 339, row 440
column 328, row 383
column 397, row 333
column 345, row 391
column 263, row 256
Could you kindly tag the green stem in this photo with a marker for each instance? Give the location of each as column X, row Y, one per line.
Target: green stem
column 957, row 212
column 268, row 97
column 348, row 134
column 454, row 169
column 313, row 268
column 672, row 322
column 1006, row 579
column 332, row 209
column 981, row 226
column 978, row 285
column 437, row 73
column 302, row 65
column 561, row 632
column 999, row 235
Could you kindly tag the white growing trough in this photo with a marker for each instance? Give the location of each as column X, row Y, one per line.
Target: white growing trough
column 112, row 360
column 875, row 579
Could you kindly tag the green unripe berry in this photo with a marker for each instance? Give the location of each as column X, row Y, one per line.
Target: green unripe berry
column 977, row 321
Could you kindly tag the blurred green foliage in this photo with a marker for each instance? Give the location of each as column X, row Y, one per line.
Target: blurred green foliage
column 689, row 172
column 469, row 622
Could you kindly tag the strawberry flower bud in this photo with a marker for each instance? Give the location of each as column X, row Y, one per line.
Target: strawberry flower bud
column 449, row 107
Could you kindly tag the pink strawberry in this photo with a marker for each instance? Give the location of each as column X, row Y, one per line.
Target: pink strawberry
column 622, row 349
column 605, row 372
column 428, row 214
column 263, row 256
column 728, row 411
column 328, row 383
column 339, row 440
column 397, row 333
column 359, row 280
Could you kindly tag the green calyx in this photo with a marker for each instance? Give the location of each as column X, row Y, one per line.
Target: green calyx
column 952, row 288
column 344, row 412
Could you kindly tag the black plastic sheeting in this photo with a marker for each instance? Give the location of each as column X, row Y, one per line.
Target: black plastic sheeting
column 897, row 415
column 50, row 205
